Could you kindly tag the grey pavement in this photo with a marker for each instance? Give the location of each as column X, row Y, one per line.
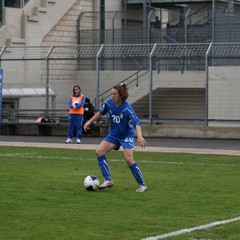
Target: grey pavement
column 178, row 145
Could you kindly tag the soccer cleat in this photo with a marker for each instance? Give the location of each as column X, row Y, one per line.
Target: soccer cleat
column 78, row 140
column 106, row 184
column 142, row 188
column 69, row 140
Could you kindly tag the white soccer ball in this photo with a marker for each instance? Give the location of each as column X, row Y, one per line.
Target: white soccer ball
column 91, row 183
column 74, row 104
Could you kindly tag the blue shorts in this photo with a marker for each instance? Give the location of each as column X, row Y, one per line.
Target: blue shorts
column 125, row 142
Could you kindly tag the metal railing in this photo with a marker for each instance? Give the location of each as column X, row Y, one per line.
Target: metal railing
column 169, row 82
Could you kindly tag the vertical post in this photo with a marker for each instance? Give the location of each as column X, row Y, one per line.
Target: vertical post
column 78, row 28
column 186, row 26
column 113, row 27
column 206, row 83
column 47, row 87
column 1, row 79
column 149, row 25
column 184, row 65
column 1, row 82
column 151, row 82
column 1, row 53
column 102, row 21
column 22, row 4
column 97, row 76
column 2, row 13
column 47, row 80
column 125, row 23
column 113, row 37
column 144, row 21
column 213, row 20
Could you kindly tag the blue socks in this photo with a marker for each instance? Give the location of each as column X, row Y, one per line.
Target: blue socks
column 103, row 165
column 137, row 174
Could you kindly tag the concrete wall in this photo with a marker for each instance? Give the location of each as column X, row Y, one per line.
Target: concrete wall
column 55, row 26
column 191, row 131
column 224, row 89
column 164, row 79
column 63, row 73
column 13, row 26
column 174, row 131
column 108, row 79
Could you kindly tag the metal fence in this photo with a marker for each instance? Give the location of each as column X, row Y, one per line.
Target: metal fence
column 130, row 28
column 197, row 83
column 216, row 21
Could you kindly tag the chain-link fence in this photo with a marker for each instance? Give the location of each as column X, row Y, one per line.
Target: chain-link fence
column 167, row 83
column 214, row 21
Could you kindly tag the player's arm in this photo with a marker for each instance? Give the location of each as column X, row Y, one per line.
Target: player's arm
column 70, row 104
column 140, row 140
column 135, row 121
column 81, row 104
column 93, row 119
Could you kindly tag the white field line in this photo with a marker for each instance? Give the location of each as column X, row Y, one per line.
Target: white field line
column 182, row 163
column 138, row 149
column 28, row 155
column 188, row 230
column 192, row 163
column 175, row 233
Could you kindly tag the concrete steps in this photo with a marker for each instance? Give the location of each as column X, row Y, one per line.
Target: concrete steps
column 137, row 93
column 35, row 21
column 30, row 14
column 42, row 8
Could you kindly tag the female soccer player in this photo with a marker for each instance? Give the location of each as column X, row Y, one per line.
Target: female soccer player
column 123, row 119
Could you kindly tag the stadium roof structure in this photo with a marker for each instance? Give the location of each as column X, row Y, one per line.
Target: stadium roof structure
column 26, row 92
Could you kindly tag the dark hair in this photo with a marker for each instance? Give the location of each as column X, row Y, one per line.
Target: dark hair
column 76, row 86
column 87, row 100
column 122, row 90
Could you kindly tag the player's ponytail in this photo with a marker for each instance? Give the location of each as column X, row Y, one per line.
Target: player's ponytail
column 123, row 85
column 122, row 90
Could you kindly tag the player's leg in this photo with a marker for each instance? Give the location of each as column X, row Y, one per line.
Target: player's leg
column 101, row 152
column 79, row 122
column 134, row 168
column 71, row 124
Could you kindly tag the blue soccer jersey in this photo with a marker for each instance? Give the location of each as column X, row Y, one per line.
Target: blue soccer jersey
column 122, row 118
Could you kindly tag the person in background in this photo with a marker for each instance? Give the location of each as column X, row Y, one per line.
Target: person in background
column 76, row 111
column 157, row 30
column 157, row 23
column 123, row 119
column 88, row 114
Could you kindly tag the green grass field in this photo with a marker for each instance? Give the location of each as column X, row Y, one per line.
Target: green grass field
column 42, row 196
